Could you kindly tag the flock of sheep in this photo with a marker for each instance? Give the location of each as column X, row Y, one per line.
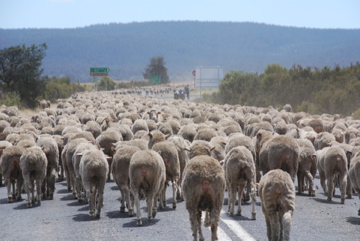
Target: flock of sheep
column 203, row 149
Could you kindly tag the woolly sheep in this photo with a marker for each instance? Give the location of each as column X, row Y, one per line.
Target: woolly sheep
column 203, row 189
column 94, row 170
column 66, row 157
column 331, row 162
column 323, row 139
column 205, row 134
column 51, row 150
column 239, row 169
column 182, row 147
column 120, row 172
column 33, row 164
column 105, row 140
column 188, row 132
column 139, row 124
column 170, row 156
column 10, row 169
column 307, row 166
column 277, row 195
column 354, row 174
column 147, row 174
column 155, row 137
column 3, row 144
column 280, row 152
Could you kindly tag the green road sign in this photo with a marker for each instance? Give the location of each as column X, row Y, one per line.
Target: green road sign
column 155, row 79
column 100, row 70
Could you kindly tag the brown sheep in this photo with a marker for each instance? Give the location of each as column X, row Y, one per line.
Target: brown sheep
column 239, row 169
column 331, row 162
column 280, row 152
column 147, row 174
column 277, row 195
column 203, row 189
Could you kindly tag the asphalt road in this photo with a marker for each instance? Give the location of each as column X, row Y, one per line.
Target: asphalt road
column 65, row 219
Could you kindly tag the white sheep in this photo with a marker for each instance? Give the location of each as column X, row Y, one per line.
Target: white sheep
column 33, row 164
column 277, row 195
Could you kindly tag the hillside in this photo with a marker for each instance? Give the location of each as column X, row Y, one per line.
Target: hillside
column 127, row 48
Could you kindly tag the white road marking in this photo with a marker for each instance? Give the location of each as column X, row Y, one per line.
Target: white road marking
column 236, row 227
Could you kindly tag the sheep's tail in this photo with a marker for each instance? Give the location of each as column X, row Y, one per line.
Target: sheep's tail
column 286, row 223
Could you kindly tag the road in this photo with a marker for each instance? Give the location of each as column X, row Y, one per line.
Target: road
column 65, row 219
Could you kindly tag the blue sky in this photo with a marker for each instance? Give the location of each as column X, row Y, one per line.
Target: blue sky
column 80, row 13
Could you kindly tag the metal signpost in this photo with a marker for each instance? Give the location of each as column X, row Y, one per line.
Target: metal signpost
column 98, row 71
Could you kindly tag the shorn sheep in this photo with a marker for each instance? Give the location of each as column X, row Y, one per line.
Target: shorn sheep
column 94, row 169
column 10, row 167
column 33, row 164
column 203, row 189
column 277, row 195
column 147, row 175
column 239, row 169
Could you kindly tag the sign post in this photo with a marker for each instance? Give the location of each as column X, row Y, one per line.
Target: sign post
column 98, row 71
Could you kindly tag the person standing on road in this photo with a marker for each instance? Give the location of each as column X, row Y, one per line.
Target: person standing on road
column 187, row 91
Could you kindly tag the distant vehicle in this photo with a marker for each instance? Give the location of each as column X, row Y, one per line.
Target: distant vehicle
column 179, row 94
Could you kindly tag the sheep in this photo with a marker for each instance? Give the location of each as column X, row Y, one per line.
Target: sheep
column 33, row 164
column 323, row 139
column 3, row 145
column 94, row 170
column 155, row 137
column 277, row 195
column 182, row 147
column 139, row 124
column 203, row 189
column 120, row 172
column 307, row 166
column 280, row 152
column 76, row 158
column 51, row 150
column 170, row 156
column 10, row 168
column 66, row 157
column 205, row 134
column 239, row 169
column 354, row 174
column 105, row 141
column 147, row 174
column 188, row 132
column 331, row 162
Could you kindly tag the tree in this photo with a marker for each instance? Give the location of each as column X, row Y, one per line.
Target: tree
column 20, row 71
column 157, row 68
column 106, row 83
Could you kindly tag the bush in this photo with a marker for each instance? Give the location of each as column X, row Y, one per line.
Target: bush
column 11, row 99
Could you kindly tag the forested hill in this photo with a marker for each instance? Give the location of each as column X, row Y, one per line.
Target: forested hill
column 127, row 48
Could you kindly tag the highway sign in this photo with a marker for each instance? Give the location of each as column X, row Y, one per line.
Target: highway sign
column 99, row 70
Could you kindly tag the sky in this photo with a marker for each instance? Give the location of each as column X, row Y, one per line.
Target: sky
column 17, row 14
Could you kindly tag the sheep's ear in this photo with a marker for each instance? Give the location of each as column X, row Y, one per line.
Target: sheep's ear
column 107, row 157
column 222, row 162
column 258, row 135
column 212, row 148
column 223, row 143
column 150, row 135
column 91, row 142
column 79, row 154
column 167, row 136
column 159, row 152
column 113, row 144
column 1, row 151
column 314, row 155
column 113, row 149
